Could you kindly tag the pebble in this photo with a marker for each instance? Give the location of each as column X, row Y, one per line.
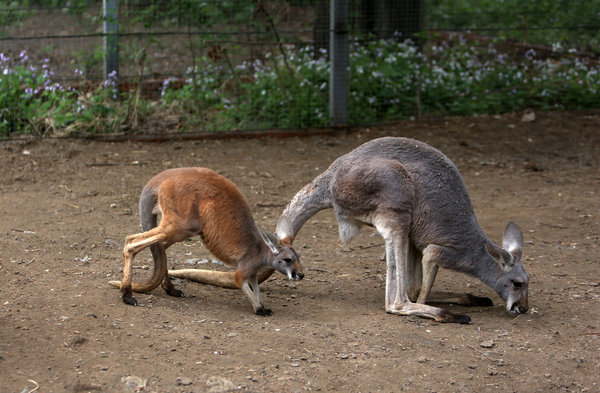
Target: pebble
column 184, row 381
column 134, row 384
column 218, row 384
column 487, row 344
column 76, row 340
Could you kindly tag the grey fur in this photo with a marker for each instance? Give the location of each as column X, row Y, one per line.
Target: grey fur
column 416, row 198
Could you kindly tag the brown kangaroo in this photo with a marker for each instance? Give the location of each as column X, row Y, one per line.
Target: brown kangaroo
column 198, row 201
column 416, row 199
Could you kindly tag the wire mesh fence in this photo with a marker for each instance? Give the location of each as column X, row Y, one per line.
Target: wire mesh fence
column 245, row 64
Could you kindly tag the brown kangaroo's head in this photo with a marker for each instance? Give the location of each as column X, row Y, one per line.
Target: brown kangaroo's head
column 285, row 258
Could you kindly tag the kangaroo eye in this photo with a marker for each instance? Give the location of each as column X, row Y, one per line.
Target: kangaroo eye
column 517, row 284
column 287, row 260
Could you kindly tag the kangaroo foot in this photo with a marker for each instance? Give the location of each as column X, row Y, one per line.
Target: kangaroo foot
column 128, row 299
column 263, row 312
column 448, row 317
column 174, row 292
column 170, row 289
column 476, row 301
column 426, row 311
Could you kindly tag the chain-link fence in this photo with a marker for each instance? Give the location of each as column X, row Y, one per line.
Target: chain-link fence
column 248, row 64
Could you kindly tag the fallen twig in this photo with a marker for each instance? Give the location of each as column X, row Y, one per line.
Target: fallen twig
column 369, row 246
column 23, row 231
column 316, row 269
column 37, row 386
column 552, row 225
column 260, row 204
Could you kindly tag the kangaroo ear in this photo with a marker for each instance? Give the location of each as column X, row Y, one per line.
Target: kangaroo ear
column 512, row 241
column 502, row 257
column 270, row 240
column 285, row 233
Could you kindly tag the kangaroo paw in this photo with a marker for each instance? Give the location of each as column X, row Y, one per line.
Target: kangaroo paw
column 462, row 319
column 448, row 317
column 128, row 299
column 263, row 312
column 174, row 292
column 475, row 301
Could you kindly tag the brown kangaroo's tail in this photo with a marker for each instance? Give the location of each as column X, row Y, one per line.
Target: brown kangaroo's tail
column 216, row 278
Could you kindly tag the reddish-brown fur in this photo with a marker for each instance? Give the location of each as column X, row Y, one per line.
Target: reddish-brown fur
column 198, row 201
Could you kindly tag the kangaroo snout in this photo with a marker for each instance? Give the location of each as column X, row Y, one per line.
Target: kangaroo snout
column 518, row 308
column 296, row 276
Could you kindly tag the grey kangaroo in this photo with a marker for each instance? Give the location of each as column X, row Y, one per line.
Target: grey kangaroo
column 416, row 199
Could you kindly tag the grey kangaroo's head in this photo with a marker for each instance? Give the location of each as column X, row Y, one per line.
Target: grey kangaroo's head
column 512, row 282
column 285, row 259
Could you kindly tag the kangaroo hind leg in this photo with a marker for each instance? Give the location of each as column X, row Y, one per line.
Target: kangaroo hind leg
column 397, row 249
column 133, row 245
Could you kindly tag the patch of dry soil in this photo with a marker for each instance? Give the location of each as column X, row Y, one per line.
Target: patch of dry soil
column 67, row 205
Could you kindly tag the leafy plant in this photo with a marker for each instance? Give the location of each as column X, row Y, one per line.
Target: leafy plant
column 388, row 80
column 32, row 103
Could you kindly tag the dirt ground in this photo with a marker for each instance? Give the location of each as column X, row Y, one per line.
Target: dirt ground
column 67, row 205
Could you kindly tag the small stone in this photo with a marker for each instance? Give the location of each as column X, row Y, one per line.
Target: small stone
column 218, row 384
column 295, row 364
column 76, row 340
column 134, row 384
column 487, row 344
column 528, row 117
column 184, row 381
column 422, row 359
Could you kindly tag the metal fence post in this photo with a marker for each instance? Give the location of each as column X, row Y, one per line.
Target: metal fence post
column 338, row 57
column 110, row 13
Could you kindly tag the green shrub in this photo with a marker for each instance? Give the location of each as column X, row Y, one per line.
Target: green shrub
column 32, row 103
column 388, row 80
